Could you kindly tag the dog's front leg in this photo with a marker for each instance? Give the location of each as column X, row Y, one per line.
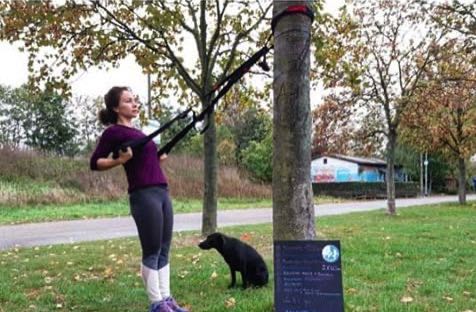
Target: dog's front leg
column 243, row 278
column 233, row 278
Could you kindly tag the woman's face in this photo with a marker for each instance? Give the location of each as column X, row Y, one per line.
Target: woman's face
column 128, row 105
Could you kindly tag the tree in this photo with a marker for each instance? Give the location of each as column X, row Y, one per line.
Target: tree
column 442, row 116
column 88, row 127
column 332, row 128
column 456, row 16
column 41, row 121
column 293, row 209
column 100, row 33
column 258, row 158
column 252, row 125
column 13, row 113
column 246, row 113
column 378, row 64
column 49, row 126
column 337, row 131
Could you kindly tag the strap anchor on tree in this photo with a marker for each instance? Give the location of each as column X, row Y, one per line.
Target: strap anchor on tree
column 292, row 9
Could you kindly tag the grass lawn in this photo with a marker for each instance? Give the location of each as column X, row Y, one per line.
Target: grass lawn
column 40, row 213
column 421, row 260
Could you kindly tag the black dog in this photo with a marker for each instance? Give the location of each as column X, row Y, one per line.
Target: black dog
column 240, row 257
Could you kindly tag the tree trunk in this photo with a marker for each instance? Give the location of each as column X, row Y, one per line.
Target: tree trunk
column 209, row 213
column 461, row 181
column 293, row 208
column 390, row 176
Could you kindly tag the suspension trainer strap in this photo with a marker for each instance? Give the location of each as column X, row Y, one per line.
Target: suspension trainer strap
column 293, row 9
column 139, row 143
column 168, row 147
column 230, row 80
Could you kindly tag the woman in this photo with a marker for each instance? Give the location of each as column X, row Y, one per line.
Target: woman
column 149, row 200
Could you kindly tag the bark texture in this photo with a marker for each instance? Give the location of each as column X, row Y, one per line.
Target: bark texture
column 293, row 208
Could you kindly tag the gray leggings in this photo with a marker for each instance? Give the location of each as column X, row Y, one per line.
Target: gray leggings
column 151, row 209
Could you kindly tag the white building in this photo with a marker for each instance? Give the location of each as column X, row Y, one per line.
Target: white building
column 339, row 168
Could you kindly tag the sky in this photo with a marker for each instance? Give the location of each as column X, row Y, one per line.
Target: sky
column 93, row 82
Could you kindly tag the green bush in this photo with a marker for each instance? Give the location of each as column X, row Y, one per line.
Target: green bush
column 364, row 189
column 258, row 158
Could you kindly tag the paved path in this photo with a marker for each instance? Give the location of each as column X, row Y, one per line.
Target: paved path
column 38, row 234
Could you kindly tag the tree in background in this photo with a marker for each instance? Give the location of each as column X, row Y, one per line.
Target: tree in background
column 246, row 113
column 332, row 128
column 456, row 16
column 77, row 35
column 410, row 158
column 252, row 125
column 377, row 63
column 49, row 126
column 85, row 110
column 337, row 131
column 258, row 158
column 41, row 121
column 13, row 113
column 443, row 115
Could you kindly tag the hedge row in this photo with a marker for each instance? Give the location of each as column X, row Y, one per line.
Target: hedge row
column 364, row 189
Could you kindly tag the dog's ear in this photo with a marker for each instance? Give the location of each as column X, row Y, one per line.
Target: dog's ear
column 220, row 239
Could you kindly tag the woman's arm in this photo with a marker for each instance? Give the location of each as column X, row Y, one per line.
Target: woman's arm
column 108, row 163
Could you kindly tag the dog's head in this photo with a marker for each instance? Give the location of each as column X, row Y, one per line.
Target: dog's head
column 214, row 240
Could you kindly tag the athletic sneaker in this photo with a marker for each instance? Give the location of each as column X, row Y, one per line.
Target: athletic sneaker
column 174, row 306
column 161, row 306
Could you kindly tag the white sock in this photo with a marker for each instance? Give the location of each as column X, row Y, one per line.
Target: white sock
column 164, row 281
column 151, row 283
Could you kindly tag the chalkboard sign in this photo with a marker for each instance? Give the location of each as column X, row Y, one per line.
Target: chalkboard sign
column 308, row 276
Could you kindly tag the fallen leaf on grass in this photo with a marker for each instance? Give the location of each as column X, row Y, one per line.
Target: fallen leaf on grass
column 449, row 299
column 183, row 274
column 245, row 237
column 230, row 302
column 406, row 299
column 214, row 275
column 195, row 259
column 466, row 293
column 108, row 273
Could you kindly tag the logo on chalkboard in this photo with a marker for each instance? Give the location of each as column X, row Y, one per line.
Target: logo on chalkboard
column 330, row 253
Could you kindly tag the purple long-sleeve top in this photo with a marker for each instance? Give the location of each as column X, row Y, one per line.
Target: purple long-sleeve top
column 143, row 169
